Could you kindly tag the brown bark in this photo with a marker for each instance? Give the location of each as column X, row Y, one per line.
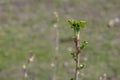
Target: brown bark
column 76, row 41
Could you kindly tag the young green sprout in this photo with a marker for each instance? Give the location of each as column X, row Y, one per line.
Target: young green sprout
column 77, row 26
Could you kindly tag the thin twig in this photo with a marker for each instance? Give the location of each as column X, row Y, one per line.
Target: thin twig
column 56, row 46
column 76, row 41
column 24, row 66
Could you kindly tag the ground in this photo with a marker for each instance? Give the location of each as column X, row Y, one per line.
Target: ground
column 27, row 26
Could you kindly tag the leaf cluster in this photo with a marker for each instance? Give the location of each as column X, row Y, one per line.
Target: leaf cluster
column 83, row 44
column 77, row 25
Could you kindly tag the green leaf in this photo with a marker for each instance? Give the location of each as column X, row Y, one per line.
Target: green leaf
column 83, row 44
column 73, row 54
column 72, row 79
column 71, row 22
column 82, row 24
column 81, row 66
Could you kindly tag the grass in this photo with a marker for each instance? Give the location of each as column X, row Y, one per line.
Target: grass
column 27, row 26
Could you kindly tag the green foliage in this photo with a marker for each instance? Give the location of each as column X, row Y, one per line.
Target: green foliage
column 73, row 54
column 81, row 66
column 83, row 44
column 77, row 25
column 72, row 79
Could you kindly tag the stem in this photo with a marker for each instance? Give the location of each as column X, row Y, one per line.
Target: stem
column 56, row 46
column 76, row 41
column 56, row 49
column 76, row 26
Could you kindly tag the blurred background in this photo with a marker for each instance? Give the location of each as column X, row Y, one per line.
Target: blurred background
column 27, row 26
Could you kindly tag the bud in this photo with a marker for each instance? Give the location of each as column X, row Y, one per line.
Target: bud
column 24, row 66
